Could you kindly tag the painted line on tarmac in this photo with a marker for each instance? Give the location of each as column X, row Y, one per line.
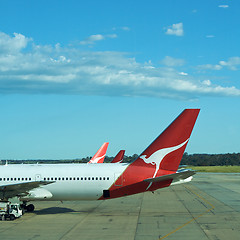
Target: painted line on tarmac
column 193, row 219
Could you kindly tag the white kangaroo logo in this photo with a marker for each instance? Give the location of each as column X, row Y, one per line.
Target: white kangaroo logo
column 97, row 159
column 157, row 157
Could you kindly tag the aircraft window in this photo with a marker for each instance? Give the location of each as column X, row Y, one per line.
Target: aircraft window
column 26, row 178
column 19, row 179
column 77, row 178
column 15, row 179
column 44, row 179
column 103, row 178
column 92, row 178
column 4, row 179
column 48, row 178
column 89, row 178
column 7, row 179
column 85, row 178
column 74, row 178
column 59, row 178
column 11, row 179
column 22, row 179
column 100, row 178
column 96, row 178
column 107, row 178
column 55, row 178
column 52, row 178
column 66, row 178
column 70, row 178
column 0, row 179
column 63, row 178
column 30, row 179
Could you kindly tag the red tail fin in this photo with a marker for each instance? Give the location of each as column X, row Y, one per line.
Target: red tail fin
column 119, row 157
column 161, row 158
column 166, row 150
column 100, row 154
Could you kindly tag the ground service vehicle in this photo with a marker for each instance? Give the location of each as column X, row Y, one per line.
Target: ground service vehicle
column 10, row 210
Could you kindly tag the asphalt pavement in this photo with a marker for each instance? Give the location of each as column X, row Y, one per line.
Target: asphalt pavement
column 206, row 208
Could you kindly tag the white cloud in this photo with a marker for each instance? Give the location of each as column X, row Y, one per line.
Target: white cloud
column 97, row 37
column 210, row 36
column 61, row 59
column 223, row 6
column 125, row 28
column 210, row 67
column 13, row 44
column 171, row 62
column 112, row 35
column 231, row 64
column 46, row 69
column 183, row 73
column 92, row 39
column 207, row 82
column 175, row 29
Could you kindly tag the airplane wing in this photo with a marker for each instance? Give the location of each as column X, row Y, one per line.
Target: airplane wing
column 20, row 189
column 179, row 176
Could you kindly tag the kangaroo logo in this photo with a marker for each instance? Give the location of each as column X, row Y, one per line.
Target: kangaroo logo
column 97, row 159
column 157, row 157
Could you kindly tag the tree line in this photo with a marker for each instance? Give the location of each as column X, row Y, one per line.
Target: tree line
column 228, row 159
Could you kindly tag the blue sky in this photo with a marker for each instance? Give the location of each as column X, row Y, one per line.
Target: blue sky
column 75, row 74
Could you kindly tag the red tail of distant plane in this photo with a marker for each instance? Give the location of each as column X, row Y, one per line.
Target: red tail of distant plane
column 119, row 157
column 156, row 167
column 100, row 154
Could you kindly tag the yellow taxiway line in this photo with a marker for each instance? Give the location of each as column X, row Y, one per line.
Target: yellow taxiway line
column 193, row 219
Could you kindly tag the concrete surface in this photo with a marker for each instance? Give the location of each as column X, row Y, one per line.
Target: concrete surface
column 206, row 208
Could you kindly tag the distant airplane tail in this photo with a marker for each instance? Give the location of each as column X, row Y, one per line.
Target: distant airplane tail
column 100, row 154
column 119, row 157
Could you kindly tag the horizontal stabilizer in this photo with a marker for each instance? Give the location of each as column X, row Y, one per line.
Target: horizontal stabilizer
column 182, row 175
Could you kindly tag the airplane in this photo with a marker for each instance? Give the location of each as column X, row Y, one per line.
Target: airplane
column 155, row 168
column 119, row 157
column 100, row 154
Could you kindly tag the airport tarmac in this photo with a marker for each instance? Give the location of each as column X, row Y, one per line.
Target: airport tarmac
column 206, row 208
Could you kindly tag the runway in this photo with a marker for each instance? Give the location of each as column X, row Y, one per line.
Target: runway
column 206, row 208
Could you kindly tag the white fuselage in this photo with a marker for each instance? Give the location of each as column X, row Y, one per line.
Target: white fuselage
column 70, row 181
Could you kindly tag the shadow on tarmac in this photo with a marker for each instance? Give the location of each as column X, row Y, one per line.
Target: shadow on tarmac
column 53, row 210
column 59, row 210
